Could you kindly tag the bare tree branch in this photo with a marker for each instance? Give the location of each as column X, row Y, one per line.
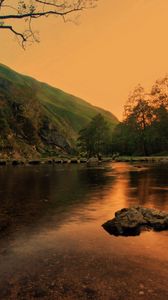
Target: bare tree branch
column 29, row 10
column 51, row 4
column 23, row 38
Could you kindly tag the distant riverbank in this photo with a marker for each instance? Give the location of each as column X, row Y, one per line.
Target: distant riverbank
column 76, row 160
column 141, row 159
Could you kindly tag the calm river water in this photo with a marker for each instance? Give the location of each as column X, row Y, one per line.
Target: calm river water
column 54, row 246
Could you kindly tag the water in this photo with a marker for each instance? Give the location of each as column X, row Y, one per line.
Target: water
column 54, row 246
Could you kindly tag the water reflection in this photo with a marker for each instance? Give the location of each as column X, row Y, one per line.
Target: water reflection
column 150, row 187
column 28, row 194
column 55, row 246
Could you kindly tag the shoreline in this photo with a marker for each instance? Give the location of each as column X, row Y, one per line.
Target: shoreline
column 52, row 161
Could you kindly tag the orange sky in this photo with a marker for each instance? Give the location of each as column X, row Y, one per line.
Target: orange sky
column 116, row 46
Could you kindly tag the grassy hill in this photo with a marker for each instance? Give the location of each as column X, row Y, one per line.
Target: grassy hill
column 37, row 119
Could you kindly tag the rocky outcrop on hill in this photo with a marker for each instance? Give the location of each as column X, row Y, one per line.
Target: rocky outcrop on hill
column 38, row 120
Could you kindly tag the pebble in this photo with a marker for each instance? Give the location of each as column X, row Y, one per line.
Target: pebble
column 141, row 293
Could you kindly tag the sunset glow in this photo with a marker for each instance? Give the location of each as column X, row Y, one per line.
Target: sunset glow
column 115, row 46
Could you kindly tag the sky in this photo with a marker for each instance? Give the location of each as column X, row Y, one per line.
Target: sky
column 115, row 46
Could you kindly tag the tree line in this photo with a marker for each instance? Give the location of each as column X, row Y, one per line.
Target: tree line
column 143, row 131
column 94, row 139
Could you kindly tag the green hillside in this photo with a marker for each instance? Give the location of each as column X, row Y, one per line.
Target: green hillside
column 37, row 119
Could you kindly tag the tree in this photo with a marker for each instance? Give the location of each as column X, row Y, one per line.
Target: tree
column 30, row 10
column 159, row 93
column 144, row 130
column 94, row 139
column 159, row 128
column 138, row 118
column 133, row 99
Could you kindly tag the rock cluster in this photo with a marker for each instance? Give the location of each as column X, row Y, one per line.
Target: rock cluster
column 131, row 221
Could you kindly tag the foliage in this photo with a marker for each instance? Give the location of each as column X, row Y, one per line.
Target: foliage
column 94, row 139
column 144, row 130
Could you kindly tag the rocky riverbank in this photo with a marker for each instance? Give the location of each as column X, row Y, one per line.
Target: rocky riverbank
column 156, row 159
column 78, row 160
column 50, row 160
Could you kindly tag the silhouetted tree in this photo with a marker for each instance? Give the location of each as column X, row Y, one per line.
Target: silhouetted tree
column 159, row 93
column 138, row 118
column 95, row 138
column 144, row 129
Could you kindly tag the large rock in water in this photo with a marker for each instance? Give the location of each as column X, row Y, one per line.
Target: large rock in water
column 133, row 220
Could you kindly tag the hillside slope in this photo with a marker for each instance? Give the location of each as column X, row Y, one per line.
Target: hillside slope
column 37, row 119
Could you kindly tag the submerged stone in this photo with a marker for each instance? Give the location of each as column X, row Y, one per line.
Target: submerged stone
column 131, row 221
